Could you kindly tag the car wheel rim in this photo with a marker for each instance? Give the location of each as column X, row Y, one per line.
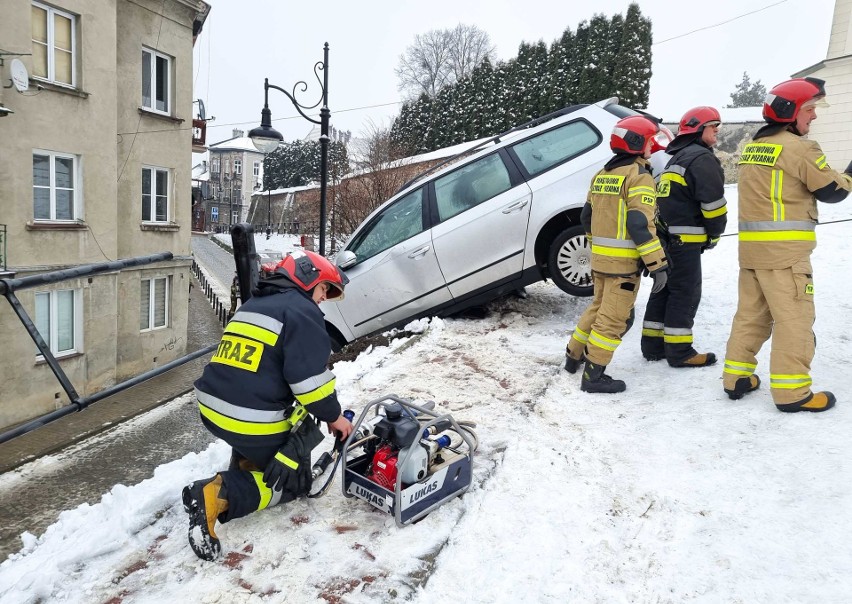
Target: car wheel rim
column 574, row 261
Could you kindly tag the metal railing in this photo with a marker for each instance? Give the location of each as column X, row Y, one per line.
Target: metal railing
column 219, row 307
column 8, row 287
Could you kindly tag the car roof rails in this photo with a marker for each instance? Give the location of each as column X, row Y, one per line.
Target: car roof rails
column 496, row 139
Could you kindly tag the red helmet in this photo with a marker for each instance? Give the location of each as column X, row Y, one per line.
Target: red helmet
column 309, row 269
column 631, row 134
column 783, row 102
column 695, row 119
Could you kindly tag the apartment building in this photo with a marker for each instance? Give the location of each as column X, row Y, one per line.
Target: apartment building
column 96, row 167
column 236, row 172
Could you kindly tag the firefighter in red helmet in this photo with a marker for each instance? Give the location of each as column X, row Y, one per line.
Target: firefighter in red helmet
column 619, row 220
column 260, row 393
column 782, row 175
column 693, row 211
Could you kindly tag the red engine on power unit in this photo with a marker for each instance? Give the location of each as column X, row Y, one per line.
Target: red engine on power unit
column 383, row 469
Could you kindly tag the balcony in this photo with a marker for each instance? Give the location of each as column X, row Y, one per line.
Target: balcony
column 199, row 136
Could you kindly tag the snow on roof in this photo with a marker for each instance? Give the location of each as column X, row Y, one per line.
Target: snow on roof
column 200, row 171
column 741, row 115
column 241, row 143
column 285, row 190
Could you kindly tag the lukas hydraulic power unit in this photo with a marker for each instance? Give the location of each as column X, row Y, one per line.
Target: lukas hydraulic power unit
column 407, row 460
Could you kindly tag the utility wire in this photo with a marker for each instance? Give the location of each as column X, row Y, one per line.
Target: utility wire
column 718, row 24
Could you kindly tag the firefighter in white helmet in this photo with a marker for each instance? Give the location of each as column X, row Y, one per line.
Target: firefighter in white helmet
column 781, row 176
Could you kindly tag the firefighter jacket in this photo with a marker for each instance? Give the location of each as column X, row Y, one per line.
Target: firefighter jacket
column 274, row 352
column 619, row 218
column 781, row 175
column 691, row 194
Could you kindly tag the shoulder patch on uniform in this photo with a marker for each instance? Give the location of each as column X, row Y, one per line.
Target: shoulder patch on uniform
column 822, row 163
column 648, row 200
column 761, row 154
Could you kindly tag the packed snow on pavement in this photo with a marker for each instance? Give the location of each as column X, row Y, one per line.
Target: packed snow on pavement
column 668, row 492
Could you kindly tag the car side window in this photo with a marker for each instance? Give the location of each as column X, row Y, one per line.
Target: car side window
column 399, row 221
column 556, row 146
column 471, row 185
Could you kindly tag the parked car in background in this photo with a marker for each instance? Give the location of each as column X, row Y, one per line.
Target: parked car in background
column 504, row 216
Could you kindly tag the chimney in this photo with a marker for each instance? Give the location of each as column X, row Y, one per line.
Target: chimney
column 238, row 133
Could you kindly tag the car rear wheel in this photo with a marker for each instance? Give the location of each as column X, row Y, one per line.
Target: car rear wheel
column 570, row 262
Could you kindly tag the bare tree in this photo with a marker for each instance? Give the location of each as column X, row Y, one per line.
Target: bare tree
column 441, row 57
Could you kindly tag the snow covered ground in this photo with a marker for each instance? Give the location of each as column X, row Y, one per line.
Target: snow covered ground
column 668, row 492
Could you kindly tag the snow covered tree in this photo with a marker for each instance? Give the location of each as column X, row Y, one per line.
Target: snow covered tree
column 297, row 163
column 747, row 94
column 631, row 75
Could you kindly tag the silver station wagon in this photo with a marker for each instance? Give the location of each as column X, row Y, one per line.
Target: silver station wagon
column 503, row 217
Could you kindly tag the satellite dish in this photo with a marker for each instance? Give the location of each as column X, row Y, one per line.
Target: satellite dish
column 202, row 114
column 20, row 77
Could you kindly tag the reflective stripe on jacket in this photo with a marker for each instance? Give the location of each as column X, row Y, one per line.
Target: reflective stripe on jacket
column 691, row 195
column 619, row 247
column 778, row 214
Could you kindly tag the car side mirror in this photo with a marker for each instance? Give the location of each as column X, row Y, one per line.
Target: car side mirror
column 346, row 259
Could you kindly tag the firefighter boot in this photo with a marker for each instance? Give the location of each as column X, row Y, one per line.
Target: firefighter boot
column 572, row 364
column 595, row 380
column 814, row 402
column 204, row 500
column 701, row 359
column 743, row 386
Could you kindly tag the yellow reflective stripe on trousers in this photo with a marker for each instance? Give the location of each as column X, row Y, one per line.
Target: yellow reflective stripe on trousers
column 739, row 368
column 775, row 195
column 789, row 381
column 252, row 331
column 240, row 427
column 581, row 336
column 268, row 497
column 602, row 342
column 652, row 333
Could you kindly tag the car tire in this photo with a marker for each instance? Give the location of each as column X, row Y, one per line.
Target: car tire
column 570, row 262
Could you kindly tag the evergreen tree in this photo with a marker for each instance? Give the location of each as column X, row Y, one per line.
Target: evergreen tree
column 632, row 73
column 298, row 163
column 747, row 94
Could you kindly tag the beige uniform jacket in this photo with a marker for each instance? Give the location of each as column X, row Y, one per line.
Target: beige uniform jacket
column 613, row 196
column 777, row 208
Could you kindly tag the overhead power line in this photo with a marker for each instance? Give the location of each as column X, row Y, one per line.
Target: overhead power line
column 718, row 24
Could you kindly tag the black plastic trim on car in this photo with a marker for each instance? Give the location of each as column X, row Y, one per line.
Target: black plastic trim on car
column 479, row 270
column 437, row 288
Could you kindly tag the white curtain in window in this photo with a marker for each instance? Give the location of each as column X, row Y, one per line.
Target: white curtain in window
column 64, row 320
column 145, row 305
column 62, row 52
column 42, row 316
column 146, row 79
column 159, row 302
column 39, row 27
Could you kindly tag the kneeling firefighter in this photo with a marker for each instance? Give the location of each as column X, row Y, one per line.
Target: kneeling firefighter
column 269, row 372
column 619, row 221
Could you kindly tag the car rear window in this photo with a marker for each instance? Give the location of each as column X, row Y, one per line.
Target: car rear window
column 556, row 146
column 471, row 185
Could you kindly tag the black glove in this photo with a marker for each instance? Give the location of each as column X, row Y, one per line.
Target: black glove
column 290, row 469
column 660, row 278
column 711, row 243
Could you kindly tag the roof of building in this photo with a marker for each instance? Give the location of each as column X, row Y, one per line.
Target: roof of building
column 240, row 143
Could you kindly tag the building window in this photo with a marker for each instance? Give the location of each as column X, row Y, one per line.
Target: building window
column 57, row 320
column 238, row 166
column 155, row 195
column 54, row 186
column 154, row 303
column 54, row 44
column 256, row 171
column 156, row 80
column 215, row 163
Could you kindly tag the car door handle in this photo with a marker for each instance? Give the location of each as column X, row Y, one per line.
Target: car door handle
column 516, row 207
column 420, row 252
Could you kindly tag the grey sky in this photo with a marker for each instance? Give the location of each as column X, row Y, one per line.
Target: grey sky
column 247, row 40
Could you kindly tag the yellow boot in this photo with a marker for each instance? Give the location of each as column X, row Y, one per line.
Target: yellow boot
column 814, row 402
column 204, row 500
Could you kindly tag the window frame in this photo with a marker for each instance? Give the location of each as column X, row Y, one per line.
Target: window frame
column 76, row 202
column 256, row 170
column 527, row 175
column 51, row 45
column 238, row 166
column 52, row 339
column 152, row 302
column 153, row 196
column 153, row 75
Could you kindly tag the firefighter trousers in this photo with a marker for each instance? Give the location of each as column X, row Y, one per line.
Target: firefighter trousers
column 779, row 303
column 670, row 313
column 606, row 320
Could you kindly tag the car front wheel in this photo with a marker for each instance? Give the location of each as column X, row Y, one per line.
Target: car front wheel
column 570, row 262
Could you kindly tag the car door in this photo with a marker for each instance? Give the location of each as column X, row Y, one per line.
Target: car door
column 396, row 276
column 482, row 215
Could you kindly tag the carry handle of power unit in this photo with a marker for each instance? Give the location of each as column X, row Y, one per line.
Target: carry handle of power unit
column 384, row 401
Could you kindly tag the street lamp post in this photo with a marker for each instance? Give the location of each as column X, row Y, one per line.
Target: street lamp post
column 268, row 213
column 266, row 139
